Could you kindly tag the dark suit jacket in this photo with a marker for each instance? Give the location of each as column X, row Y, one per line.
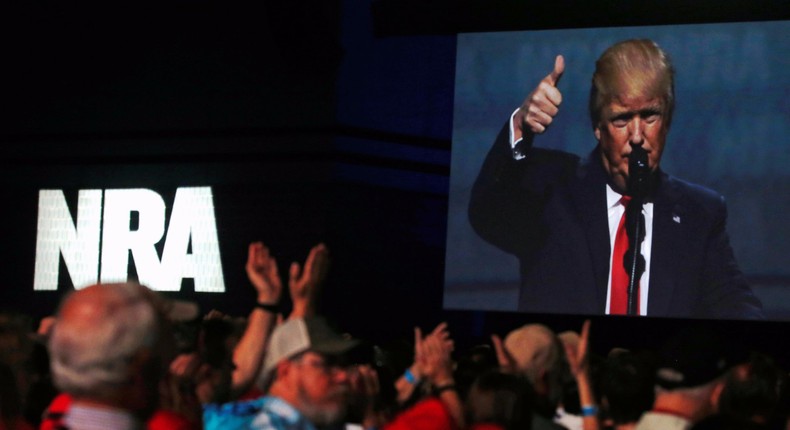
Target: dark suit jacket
column 549, row 209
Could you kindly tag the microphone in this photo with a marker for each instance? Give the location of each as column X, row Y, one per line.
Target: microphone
column 638, row 173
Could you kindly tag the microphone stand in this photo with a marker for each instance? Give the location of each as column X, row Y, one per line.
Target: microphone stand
column 635, row 208
column 638, row 187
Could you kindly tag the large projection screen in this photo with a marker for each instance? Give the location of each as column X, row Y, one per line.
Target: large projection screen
column 729, row 133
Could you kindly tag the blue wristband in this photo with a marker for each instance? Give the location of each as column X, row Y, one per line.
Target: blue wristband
column 410, row 378
column 589, row 411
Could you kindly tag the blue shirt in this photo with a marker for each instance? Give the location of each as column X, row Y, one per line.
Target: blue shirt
column 265, row 413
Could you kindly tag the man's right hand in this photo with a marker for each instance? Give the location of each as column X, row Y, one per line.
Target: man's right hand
column 262, row 272
column 541, row 105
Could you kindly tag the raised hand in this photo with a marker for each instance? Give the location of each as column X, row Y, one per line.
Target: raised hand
column 436, row 365
column 541, row 105
column 578, row 359
column 579, row 363
column 263, row 275
column 304, row 284
column 365, row 389
column 248, row 352
column 433, row 355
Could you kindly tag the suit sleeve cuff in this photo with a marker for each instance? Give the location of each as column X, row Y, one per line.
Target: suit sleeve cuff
column 515, row 145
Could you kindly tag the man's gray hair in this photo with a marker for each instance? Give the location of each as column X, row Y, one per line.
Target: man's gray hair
column 93, row 354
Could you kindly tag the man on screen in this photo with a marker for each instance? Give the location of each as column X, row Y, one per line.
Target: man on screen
column 561, row 215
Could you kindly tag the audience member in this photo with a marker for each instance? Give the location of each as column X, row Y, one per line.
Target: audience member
column 534, row 351
column 439, row 405
column 306, row 382
column 224, row 388
column 16, row 357
column 304, row 369
column 371, row 401
column 472, row 364
column 690, row 380
column 109, row 349
column 627, row 389
column 228, row 359
column 500, row 401
column 10, row 401
column 750, row 399
column 40, row 390
column 409, row 384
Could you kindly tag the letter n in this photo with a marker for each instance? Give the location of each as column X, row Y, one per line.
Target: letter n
column 59, row 235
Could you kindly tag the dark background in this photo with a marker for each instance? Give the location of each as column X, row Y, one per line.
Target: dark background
column 311, row 121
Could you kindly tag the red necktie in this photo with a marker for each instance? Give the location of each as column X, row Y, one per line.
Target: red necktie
column 618, row 304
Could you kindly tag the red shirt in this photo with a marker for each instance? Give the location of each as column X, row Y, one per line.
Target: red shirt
column 428, row 414
column 161, row 420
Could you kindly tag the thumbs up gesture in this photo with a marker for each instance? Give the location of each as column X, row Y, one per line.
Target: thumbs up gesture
column 539, row 108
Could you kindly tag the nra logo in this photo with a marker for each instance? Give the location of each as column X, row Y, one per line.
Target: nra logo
column 96, row 247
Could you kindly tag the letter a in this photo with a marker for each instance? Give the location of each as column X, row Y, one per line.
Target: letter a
column 193, row 215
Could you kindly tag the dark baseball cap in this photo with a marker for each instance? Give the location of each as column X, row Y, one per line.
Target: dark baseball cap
column 693, row 357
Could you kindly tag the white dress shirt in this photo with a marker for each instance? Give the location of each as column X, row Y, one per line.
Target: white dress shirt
column 615, row 210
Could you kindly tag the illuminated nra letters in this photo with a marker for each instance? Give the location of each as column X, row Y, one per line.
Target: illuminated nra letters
column 79, row 242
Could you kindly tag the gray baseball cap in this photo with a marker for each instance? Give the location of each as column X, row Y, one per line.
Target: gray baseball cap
column 299, row 335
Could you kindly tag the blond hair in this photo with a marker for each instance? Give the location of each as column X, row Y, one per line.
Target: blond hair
column 632, row 67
